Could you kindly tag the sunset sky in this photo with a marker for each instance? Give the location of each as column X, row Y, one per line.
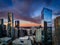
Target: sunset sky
column 29, row 10
column 25, row 23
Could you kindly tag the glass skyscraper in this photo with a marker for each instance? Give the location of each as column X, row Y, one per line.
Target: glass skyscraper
column 47, row 17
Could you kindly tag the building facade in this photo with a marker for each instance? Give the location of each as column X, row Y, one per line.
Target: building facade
column 10, row 29
column 57, row 31
column 47, row 20
column 17, row 31
column 1, row 27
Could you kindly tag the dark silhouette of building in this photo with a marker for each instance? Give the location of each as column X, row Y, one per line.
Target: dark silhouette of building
column 17, row 24
column 1, row 31
column 1, row 27
column 45, row 33
column 4, row 31
column 57, row 31
column 17, row 31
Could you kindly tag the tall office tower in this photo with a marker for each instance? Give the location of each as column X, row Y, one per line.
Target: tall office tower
column 39, row 34
column 1, row 21
column 17, row 31
column 1, row 27
column 17, row 24
column 10, row 25
column 57, row 31
column 45, row 33
column 4, row 31
column 47, row 16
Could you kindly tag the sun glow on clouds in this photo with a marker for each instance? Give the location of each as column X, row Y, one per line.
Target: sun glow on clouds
column 36, row 13
column 23, row 8
column 24, row 23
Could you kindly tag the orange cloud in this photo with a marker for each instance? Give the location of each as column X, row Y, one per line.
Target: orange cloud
column 29, row 25
column 26, row 24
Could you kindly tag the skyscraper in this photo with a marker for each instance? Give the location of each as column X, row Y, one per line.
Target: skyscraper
column 1, row 27
column 4, row 31
column 17, row 24
column 1, row 21
column 47, row 18
column 10, row 24
column 17, row 31
column 57, row 31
